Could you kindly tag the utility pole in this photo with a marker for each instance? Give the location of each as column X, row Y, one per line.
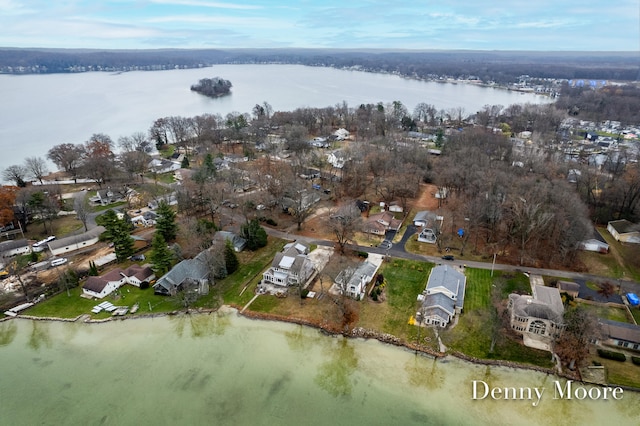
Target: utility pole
column 494, row 263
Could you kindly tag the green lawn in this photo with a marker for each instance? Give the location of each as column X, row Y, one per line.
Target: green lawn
column 636, row 314
column 64, row 306
column 405, row 280
column 480, row 332
column 606, row 312
column 620, row 373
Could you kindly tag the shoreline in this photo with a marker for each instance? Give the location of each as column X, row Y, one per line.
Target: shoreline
column 355, row 333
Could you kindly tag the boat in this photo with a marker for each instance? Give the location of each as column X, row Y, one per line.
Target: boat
column 134, row 308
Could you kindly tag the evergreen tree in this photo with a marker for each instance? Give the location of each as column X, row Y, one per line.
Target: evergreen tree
column 166, row 222
column 230, row 258
column 161, row 257
column 93, row 269
column 255, row 235
column 118, row 232
column 185, row 163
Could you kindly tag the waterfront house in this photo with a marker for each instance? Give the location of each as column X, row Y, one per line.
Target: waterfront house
column 196, row 269
column 289, row 267
column 538, row 318
column 353, row 281
column 620, row 334
column 443, row 297
column 103, row 285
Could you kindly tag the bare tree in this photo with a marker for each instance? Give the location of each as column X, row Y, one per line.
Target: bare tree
column 67, row 156
column 17, row 174
column 82, row 208
column 36, row 167
column 344, row 223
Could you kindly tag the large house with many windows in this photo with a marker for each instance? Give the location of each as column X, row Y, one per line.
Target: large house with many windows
column 539, row 318
column 289, row 267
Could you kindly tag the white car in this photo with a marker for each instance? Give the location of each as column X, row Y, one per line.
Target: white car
column 59, row 261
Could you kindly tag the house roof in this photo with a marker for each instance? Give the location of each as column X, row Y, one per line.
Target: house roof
column 13, row 244
column 545, row 304
column 140, row 272
column 623, row 226
column 439, row 300
column 568, row 286
column 237, row 241
column 76, row 239
column 437, row 311
column 424, row 215
column 446, row 277
column 196, row 269
column 355, row 274
column 621, row 331
column 95, row 284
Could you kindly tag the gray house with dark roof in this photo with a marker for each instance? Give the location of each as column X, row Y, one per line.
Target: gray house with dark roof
column 624, row 231
column 443, row 297
column 353, row 281
column 196, row 269
column 236, row 240
column 539, row 318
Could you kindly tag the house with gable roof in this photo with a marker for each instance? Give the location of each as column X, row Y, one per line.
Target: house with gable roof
column 443, row 297
column 380, row 223
column 75, row 242
column 103, row 285
column 539, row 318
column 624, row 231
column 353, row 280
column 289, row 267
column 188, row 270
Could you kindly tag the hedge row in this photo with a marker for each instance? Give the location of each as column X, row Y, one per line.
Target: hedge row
column 635, row 360
column 616, row 356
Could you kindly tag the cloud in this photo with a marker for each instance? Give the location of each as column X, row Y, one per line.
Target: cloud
column 210, row 4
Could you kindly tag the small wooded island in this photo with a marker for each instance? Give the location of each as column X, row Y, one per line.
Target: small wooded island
column 212, row 87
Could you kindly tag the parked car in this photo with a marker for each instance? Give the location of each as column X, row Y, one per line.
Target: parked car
column 59, row 261
column 448, row 257
column 386, row 244
column 138, row 257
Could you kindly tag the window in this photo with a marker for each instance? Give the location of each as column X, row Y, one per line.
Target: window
column 537, row 327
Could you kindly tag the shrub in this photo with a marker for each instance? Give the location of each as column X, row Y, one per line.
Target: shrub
column 363, row 254
column 635, row 360
column 596, row 363
column 144, row 285
column 304, row 293
column 271, row 222
column 616, row 356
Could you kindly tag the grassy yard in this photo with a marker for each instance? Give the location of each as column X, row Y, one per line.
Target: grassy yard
column 636, row 314
column 480, row 332
column 249, row 274
column 606, row 312
column 64, row 306
column 405, row 280
column 619, row 373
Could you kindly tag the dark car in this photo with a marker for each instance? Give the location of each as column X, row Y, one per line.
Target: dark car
column 138, row 257
column 448, row 257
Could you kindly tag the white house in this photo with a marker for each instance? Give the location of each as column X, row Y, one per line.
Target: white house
column 75, row 242
column 289, row 267
column 104, row 285
column 341, row 134
column 136, row 275
column 443, row 297
column 14, row 247
column 353, row 281
column 337, row 159
column 161, row 166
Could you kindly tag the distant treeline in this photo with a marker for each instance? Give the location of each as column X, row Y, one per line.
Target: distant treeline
column 212, row 87
column 621, row 103
column 498, row 66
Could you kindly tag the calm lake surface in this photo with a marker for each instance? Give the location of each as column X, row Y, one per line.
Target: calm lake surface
column 39, row 111
column 228, row 370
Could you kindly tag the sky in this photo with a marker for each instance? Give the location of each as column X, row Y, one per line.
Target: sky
column 564, row 25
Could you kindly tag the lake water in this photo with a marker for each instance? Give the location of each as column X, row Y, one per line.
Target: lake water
column 228, row 370
column 39, row 111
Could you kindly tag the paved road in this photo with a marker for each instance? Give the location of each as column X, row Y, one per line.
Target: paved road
column 398, row 251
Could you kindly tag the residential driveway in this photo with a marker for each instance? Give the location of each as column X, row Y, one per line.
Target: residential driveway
column 320, row 257
column 590, row 294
